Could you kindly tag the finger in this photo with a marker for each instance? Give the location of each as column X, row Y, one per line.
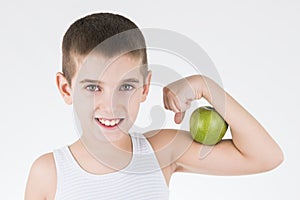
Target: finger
column 173, row 107
column 166, row 103
column 179, row 117
column 164, row 98
column 169, row 101
column 177, row 104
column 182, row 116
column 172, row 103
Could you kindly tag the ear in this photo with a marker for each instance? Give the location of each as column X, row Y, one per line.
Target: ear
column 64, row 88
column 146, row 86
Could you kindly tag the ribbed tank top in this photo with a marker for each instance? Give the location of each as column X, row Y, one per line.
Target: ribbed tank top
column 141, row 179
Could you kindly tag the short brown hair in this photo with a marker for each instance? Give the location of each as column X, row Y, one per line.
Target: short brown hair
column 85, row 34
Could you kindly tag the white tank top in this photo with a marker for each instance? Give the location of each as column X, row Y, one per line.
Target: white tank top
column 141, row 179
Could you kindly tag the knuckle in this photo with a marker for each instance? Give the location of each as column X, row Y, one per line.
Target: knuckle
column 165, row 89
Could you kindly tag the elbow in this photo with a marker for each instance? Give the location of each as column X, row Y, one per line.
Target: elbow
column 273, row 161
column 279, row 159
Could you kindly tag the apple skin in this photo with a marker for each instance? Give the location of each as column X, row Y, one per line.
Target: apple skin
column 207, row 126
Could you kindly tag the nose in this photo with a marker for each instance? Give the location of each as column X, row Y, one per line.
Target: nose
column 107, row 103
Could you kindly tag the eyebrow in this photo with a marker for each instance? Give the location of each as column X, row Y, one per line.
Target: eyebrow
column 131, row 80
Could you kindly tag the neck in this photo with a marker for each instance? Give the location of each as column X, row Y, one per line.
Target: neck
column 116, row 154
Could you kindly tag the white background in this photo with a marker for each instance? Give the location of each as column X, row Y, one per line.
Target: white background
column 254, row 45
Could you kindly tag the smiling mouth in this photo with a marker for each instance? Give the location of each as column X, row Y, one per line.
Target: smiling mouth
column 109, row 123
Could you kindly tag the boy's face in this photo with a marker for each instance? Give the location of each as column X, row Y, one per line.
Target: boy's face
column 106, row 94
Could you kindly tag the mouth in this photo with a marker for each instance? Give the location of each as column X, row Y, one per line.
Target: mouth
column 109, row 123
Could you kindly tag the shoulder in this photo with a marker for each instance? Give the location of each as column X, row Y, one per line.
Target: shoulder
column 42, row 177
column 169, row 144
column 164, row 137
column 44, row 163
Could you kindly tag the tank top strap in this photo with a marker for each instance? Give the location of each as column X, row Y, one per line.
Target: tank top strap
column 140, row 144
column 144, row 158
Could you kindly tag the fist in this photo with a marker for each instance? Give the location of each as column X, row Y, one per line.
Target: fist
column 178, row 95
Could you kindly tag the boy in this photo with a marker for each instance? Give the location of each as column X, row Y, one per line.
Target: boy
column 106, row 80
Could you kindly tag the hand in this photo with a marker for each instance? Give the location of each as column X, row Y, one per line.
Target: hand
column 178, row 96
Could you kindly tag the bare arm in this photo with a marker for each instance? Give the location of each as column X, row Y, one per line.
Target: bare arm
column 41, row 179
column 251, row 149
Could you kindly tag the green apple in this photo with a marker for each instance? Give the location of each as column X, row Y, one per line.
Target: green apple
column 207, row 126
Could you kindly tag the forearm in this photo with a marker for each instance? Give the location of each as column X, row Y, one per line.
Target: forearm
column 248, row 135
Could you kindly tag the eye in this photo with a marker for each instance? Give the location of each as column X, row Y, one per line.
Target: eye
column 93, row 88
column 126, row 87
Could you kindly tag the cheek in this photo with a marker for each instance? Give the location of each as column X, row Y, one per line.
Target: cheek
column 134, row 103
column 83, row 104
column 135, row 98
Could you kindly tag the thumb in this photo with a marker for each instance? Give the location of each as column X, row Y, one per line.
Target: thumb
column 179, row 117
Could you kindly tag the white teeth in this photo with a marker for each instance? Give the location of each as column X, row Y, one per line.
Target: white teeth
column 112, row 122
column 109, row 122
